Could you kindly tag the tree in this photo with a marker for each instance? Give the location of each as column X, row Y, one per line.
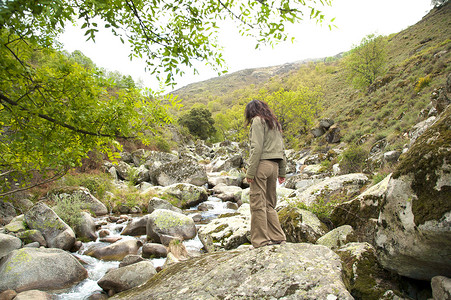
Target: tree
column 167, row 34
column 295, row 109
column 55, row 108
column 199, row 122
column 366, row 61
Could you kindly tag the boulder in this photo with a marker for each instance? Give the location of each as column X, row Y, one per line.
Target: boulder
column 290, row 271
column 156, row 159
column 123, row 170
column 31, row 236
column 142, row 174
column 7, row 212
column 116, row 251
column 136, row 227
column 40, row 268
column 227, row 233
column 57, row 234
column 337, row 237
column 365, row 278
column 362, row 212
column 301, row 225
column 125, row 278
column 227, row 193
column 413, row 236
column 157, row 203
column 163, row 223
column 33, row 295
column 391, row 156
column 337, row 188
column 8, row 295
column 181, row 170
column 216, row 178
column 86, row 230
column 8, row 243
column 333, row 136
column 441, row 288
column 152, row 250
column 318, row 131
column 420, row 128
column 130, row 259
column 184, row 195
column 16, row 225
column 226, row 163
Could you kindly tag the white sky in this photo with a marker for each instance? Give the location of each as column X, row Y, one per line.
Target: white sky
column 354, row 18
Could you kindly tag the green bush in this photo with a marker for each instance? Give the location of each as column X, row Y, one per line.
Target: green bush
column 69, row 209
column 97, row 184
column 353, row 159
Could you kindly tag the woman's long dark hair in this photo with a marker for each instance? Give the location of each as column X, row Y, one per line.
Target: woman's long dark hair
column 259, row 108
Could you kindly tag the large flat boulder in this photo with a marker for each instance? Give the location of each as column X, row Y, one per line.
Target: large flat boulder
column 290, row 271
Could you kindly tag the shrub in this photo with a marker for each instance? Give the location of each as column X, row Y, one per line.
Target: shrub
column 69, row 209
column 353, row 159
column 97, row 184
column 422, row 83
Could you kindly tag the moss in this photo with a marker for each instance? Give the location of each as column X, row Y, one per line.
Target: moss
column 20, row 257
column 220, row 228
column 428, row 154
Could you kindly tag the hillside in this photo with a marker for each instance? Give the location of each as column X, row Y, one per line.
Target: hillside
column 387, row 110
column 219, row 86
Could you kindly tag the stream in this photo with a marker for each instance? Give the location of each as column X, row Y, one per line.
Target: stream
column 97, row 268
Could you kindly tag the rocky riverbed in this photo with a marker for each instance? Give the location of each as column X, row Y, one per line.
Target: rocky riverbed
column 389, row 240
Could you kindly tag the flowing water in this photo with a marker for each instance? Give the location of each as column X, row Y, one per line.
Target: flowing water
column 98, row 268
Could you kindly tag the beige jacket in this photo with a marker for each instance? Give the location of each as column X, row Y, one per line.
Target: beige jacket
column 265, row 144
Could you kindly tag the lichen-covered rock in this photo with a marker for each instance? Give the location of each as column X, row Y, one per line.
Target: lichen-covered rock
column 337, row 237
column 157, row 203
column 166, row 223
column 57, row 234
column 301, row 225
column 291, row 271
column 363, row 275
column 43, row 269
column 181, row 170
column 183, row 195
column 347, row 186
column 122, row 279
column 16, row 225
column 116, row 251
column 227, row 233
column 414, row 233
column 8, row 243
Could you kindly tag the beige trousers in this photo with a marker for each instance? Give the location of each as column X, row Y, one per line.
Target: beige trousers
column 265, row 226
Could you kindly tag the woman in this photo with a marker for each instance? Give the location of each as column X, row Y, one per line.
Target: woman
column 266, row 166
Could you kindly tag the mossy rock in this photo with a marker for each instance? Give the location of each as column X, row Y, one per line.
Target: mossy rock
column 426, row 163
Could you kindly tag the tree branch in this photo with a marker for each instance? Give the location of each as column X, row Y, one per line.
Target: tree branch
column 55, row 177
column 5, row 99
